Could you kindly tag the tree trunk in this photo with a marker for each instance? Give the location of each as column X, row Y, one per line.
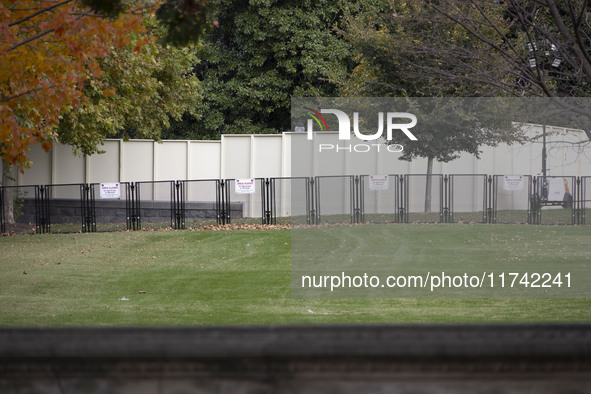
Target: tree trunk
column 428, row 185
column 9, row 174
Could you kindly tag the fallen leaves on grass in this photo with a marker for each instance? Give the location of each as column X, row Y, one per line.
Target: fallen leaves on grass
column 218, row 227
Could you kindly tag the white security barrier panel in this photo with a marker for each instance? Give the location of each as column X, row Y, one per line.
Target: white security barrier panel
column 262, row 156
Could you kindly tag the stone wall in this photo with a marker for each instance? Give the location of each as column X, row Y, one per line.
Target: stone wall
column 508, row 359
column 113, row 211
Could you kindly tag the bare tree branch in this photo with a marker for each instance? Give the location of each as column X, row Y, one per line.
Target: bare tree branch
column 39, row 13
column 30, row 39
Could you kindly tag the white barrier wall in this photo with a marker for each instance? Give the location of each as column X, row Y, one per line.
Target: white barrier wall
column 251, row 156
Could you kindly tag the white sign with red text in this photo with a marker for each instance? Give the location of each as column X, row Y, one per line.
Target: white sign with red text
column 110, row 190
column 513, row 182
column 245, row 186
column 379, row 182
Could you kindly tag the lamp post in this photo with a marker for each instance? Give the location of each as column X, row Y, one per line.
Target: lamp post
column 544, row 157
column 543, row 54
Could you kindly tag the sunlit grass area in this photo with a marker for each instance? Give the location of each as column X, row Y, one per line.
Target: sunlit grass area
column 191, row 277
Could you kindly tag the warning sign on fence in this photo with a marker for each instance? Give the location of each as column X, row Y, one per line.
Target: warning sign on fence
column 513, row 182
column 245, row 186
column 379, row 182
column 110, row 190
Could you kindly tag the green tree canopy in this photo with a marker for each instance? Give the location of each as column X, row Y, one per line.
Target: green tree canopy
column 139, row 89
column 393, row 41
column 50, row 52
column 517, row 47
column 396, row 44
column 262, row 53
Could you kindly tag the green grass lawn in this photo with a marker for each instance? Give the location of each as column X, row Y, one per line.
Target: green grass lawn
column 226, row 277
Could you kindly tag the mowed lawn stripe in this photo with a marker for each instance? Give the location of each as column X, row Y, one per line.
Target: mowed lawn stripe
column 155, row 278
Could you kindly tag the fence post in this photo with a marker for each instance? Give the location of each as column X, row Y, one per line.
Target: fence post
column 489, row 197
column 362, row 198
column 87, row 205
column 268, row 201
column 584, row 199
column 127, row 206
column 532, row 203
column 219, row 205
column 316, row 191
column 172, row 203
column 578, row 200
column 352, row 197
column 2, row 218
column 573, row 207
column 356, row 200
column 223, row 212
column 447, row 190
column 264, row 196
column 83, row 207
column 92, row 200
column 42, row 221
column 132, row 207
column 178, row 204
column 227, row 208
column 273, row 200
column 403, row 202
column 534, row 211
column 396, row 198
column 310, row 201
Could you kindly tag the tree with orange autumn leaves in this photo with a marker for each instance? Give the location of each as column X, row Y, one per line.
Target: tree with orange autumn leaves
column 49, row 52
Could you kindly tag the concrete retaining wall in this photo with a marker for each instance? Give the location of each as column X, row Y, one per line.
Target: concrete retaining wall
column 113, row 211
column 399, row 359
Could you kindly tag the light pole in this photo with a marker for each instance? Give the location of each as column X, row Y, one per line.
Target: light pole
column 544, row 54
column 544, row 157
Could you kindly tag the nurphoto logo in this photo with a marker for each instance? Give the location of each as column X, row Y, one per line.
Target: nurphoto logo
column 392, row 124
column 345, row 124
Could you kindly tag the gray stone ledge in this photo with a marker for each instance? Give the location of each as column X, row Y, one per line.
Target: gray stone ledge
column 449, row 359
column 113, row 211
column 458, row 341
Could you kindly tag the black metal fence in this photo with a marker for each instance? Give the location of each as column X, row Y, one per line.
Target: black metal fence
column 435, row 198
